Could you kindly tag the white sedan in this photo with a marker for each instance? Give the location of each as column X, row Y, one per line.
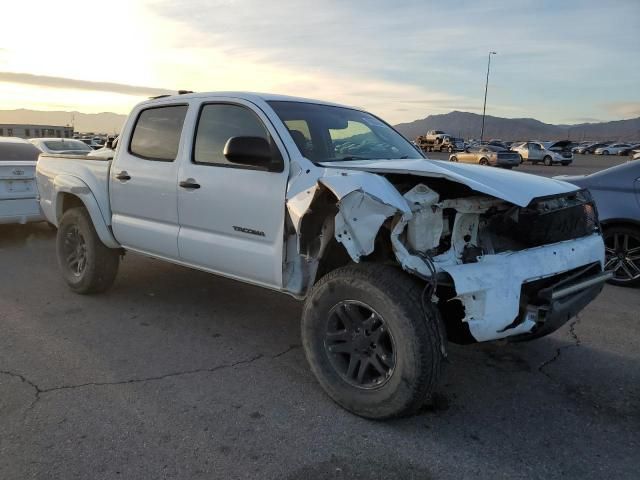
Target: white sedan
column 18, row 191
column 67, row 146
column 612, row 149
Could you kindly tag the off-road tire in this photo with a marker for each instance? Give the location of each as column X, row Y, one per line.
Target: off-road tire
column 101, row 264
column 419, row 338
column 547, row 161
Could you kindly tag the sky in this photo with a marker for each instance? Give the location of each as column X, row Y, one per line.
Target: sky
column 558, row 61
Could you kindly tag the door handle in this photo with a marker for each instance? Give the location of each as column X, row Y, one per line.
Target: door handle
column 123, row 175
column 189, row 184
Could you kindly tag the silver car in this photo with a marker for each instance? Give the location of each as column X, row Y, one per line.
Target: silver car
column 616, row 192
column 487, row 155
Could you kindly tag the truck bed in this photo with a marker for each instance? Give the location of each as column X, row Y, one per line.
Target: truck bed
column 80, row 173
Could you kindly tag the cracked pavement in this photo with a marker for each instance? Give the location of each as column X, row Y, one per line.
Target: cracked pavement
column 175, row 373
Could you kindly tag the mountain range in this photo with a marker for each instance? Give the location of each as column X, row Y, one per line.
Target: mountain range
column 105, row 122
column 468, row 125
column 461, row 124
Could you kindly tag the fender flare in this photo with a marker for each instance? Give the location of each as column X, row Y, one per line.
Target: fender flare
column 67, row 184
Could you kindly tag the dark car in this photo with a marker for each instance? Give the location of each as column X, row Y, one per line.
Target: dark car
column 627, row 151
column 616, row 192
column 593, row 147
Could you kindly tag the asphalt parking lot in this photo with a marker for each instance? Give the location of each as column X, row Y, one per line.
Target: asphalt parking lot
column 175, row 373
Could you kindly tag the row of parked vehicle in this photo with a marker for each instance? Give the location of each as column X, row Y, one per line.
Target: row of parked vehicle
column 503, row 155
column 607, row 148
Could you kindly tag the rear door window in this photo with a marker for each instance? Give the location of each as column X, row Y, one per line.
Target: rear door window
column 156, row 135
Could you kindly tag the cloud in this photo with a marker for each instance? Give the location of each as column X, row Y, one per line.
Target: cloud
column 629, row 109
column 71, row 83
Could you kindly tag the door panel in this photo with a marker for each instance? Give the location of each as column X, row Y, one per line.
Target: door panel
column 143, row 190
column 233, row 224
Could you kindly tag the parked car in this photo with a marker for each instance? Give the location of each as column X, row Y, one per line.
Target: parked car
column 392, row 253
column 487, row 155
column 94, row 143
column 612, row 149
column 616, row 192
column 107, row 152
column 629, row 151
column 18, row 192
column 549, row 153
column 580, row 148
column 67, row 146
column 593, row 147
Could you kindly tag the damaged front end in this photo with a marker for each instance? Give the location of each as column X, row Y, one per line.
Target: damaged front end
column 502, row 269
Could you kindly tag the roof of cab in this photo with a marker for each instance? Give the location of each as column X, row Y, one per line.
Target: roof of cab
column 250, row 96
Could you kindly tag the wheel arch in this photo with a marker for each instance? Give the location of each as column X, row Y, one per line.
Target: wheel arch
column 72, row 192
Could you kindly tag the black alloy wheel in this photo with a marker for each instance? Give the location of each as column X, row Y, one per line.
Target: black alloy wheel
column 622, row 255
column 75, row 251
column 359, row 345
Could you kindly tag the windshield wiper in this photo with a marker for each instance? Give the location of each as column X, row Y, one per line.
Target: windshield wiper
column 349, row 157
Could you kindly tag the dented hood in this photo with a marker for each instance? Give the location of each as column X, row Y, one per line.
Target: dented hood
column 514, row 187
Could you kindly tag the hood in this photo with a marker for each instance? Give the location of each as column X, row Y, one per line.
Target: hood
column 514, row 187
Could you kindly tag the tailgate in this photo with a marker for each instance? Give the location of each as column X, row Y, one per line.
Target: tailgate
column 17, row 180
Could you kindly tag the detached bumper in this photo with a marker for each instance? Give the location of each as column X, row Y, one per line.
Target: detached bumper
column 491, row 290
column 565, row 302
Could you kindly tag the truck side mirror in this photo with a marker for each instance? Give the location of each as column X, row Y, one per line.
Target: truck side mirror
column 250, row 151
column 109, row 143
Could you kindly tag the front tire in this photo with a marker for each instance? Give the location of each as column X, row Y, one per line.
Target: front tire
column 369, row 343
column 547, row 161
column 484, row 161
column 87, row 265
column 453, row 159
column 606, row 152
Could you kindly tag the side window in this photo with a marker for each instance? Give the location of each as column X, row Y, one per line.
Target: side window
column 156, row 135
column 219, row 122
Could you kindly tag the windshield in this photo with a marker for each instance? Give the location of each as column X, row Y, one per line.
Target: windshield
column 325, row 133
column 65, row 145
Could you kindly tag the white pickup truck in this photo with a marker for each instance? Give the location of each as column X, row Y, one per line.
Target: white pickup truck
column 393, row 254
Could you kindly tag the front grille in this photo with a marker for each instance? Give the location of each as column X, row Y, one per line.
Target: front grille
column 547, row 220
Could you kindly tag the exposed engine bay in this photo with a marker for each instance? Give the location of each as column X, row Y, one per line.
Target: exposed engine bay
column 478, row 252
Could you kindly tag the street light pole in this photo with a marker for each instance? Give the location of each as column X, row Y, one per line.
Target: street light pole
column 486, row 86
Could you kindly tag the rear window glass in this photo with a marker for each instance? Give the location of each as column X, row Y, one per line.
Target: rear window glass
column 10, row 151
column 156, row 135
column 63, row 145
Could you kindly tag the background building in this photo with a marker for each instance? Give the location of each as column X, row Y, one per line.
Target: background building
column 35, row 131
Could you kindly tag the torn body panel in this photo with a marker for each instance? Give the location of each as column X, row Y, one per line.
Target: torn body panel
column 466, row 238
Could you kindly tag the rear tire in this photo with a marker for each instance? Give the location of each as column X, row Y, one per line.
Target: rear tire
column 337, row 310
column 87, row 265
column 547, row 161
column 453, row 159
column 606, row 152
column 483, row 161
